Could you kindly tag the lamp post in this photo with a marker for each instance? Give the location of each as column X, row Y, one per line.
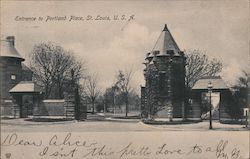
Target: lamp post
column 210, row 87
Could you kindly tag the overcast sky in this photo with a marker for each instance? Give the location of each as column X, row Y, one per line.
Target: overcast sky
column 218, row 27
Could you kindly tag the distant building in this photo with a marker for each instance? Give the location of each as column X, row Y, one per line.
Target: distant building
column 15, row 81
column 163, row 94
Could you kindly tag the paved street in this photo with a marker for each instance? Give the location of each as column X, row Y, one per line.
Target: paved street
column 108, row 124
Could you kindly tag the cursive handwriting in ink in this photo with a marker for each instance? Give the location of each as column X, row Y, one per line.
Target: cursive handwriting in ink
column 58, row 153
column 235, row 153
column 220, row 149
column 164, row 151
column 128, row 151
column 196, row 149
column 99, row 151
column 14, row 140
column 55, row 141
column 68, row 146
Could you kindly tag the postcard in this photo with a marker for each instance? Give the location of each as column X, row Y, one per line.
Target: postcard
column 124, row 79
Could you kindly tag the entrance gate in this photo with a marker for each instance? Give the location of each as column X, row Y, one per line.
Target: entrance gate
column 201, row 99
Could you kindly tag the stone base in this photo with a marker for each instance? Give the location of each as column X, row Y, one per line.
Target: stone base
column 174, row 121
column 9, row 109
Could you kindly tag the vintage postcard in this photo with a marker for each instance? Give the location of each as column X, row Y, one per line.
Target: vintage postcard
column 124, row 79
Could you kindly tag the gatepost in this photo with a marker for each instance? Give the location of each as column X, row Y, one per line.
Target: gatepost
column 246, row 114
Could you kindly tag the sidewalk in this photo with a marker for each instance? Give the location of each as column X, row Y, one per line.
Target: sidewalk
column 201, row 126
column 109, row 125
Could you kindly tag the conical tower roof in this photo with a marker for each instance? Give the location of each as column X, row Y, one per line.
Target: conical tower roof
column 165, row 43
column 8, row 48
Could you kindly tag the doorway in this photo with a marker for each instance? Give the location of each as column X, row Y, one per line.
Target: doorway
column 205, row 104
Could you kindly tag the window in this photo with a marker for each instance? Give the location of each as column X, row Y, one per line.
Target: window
column 13, row 77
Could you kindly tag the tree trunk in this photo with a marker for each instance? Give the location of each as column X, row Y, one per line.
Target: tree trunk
column 113, row 102
column 77, row 104
column 46, row 91
column 93, row 106
column 126, row 102
column 60, row 90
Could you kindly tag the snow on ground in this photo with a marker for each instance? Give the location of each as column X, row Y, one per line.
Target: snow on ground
column 109, row 125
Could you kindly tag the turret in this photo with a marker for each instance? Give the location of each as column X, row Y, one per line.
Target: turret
column 165, row 78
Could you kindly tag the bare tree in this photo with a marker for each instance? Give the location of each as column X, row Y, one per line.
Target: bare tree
column 244, row 79
column 64, row 66
column 92, row 90
column 123, row 83
column 198, row 65
column 240, row 97
column 109, row 96
column 51, row 66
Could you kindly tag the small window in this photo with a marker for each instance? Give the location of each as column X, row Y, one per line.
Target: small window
column 13, row 77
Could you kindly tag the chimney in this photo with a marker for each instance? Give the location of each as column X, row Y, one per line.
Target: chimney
column 11, row 40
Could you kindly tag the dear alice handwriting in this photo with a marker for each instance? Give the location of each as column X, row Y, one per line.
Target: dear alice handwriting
column 72, row 148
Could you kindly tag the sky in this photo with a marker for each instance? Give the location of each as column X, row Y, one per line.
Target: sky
column 220, row 28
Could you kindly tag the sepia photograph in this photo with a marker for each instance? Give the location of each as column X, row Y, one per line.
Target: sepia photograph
column 124, row 80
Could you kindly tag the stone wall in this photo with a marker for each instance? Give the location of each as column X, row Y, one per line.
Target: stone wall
column 9, row 67
column 164, row 88
column 9, row 109
column 51, row 107
column 224, row 104
column 60, row 107
column 33, row 105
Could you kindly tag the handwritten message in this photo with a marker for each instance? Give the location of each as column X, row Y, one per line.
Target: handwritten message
column 73, row 146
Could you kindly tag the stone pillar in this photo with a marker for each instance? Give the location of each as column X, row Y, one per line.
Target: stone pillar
column 83, row 109
column 69, row 106
column 16, row 108
column 71, row 101
column 38, row 106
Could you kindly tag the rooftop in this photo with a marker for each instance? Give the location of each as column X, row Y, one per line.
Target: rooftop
column 8, row 48
column 26, row 68
column 216, row 81
column 165, row 43
column 26, row 87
